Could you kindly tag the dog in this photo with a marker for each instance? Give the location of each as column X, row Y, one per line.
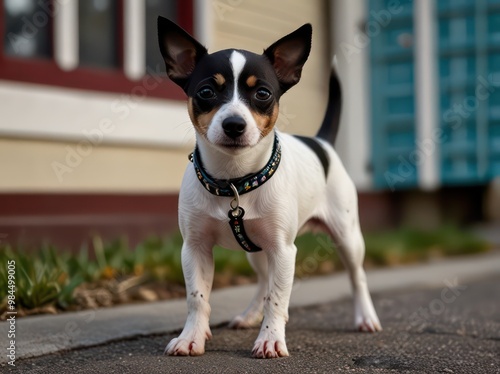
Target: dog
column 254, row 188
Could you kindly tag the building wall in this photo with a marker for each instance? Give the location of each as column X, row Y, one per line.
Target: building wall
column 256, row 24
column 144, row 145
column 106, row 168
column 68, row 140
column 75, row 162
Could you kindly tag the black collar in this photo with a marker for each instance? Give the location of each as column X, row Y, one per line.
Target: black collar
column 244, row 184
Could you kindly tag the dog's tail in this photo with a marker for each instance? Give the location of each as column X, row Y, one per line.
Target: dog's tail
column 330, row 126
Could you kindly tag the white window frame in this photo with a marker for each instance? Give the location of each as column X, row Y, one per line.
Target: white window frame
column 67, row 114
column 427, row 99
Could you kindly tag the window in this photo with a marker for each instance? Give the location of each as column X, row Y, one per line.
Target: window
column 93, row 34
column 27, row 29
column 98, row 33
column 154, row 8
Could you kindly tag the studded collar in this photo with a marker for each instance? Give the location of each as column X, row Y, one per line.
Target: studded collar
column 221, row 187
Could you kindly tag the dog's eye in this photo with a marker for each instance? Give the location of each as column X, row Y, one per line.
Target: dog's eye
column 206, row 93
column 262, row 94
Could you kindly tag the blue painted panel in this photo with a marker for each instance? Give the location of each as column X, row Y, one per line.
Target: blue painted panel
column 494, row 137
column 494, row 114
column 469, row 59
column 393, row 101
column 494, row 27
column 454, row 4
column 456, row 71
column 399, row 73
column 456, row 32
column 494, row 105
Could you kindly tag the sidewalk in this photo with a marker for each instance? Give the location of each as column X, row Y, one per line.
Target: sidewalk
column 40, row 335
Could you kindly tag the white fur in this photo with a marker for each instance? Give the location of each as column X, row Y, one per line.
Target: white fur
column 275, row 212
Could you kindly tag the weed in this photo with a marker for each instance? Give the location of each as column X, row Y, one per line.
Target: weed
column 50, row 277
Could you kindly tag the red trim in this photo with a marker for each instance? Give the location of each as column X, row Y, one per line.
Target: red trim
column 28, row 204
column 185, row 15
column 47, row 72
column 70, row 220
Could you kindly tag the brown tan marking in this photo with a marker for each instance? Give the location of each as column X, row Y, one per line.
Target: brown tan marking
column 190, row 109
column 251, row 81
column 202, row 121
column 264, row 122
column 219, row 79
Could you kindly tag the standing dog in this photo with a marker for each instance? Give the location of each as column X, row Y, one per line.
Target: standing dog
column 253, row 187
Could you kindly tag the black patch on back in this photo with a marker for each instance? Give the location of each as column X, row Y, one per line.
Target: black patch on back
column 318, row 149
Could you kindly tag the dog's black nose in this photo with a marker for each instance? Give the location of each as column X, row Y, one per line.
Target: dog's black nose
column 234, row 126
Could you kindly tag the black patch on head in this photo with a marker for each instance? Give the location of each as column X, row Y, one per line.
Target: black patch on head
column 203, row 78
column 180, row 51
column 188, row 64
column 289, row 54
column 260, row 67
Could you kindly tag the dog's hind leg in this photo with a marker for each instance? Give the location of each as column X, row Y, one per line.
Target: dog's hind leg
column 341, row 220
column 351, row 249
column 252, row 316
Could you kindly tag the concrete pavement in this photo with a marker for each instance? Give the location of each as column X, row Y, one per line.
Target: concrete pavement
column 40, row 335
column 426, row 330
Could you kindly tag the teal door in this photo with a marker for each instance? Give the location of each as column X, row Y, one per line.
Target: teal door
column 392, row 95
column 469, row 88
column 468, row 66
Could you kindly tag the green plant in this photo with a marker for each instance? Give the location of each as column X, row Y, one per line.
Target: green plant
column 40, row 280
column 50, row 277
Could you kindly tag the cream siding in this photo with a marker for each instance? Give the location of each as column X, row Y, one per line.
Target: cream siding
column 256, row 24
column 29, row 165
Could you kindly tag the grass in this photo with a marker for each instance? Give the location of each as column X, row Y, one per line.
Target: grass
column 49, row 277
column 411, row 245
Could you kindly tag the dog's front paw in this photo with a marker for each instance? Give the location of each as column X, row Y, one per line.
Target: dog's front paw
column 367, row 320
column 365, row 317
column 270, row 343
column 368, row 325
column 191, row 344
column 269, row 348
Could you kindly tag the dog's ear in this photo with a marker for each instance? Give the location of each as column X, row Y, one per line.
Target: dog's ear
column 180, row 51
column 289, row 54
